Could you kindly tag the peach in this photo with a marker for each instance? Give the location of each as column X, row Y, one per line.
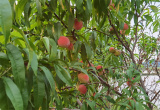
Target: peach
column 111, row 6
column 82, row 89
column 91, row 65
column 122, row 32
column 94, row 94
column 125, row 26
column 111, row 30
column 99, row 67
column 117, row 53
column 129, row 83
column 77, row 24
column 63, row 42
column 112, row 50
column 83, row 78
column 70, row 47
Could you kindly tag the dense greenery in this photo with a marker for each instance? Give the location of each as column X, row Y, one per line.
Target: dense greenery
column 36, row 73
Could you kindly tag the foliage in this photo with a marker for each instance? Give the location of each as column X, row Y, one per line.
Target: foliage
column 35, row 73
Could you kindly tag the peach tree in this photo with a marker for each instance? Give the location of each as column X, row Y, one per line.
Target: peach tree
column 76, row 54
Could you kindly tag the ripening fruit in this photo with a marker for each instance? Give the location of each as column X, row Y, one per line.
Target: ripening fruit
column 77, row 24
column 125, row 26
column 83, row 78
column 82, row 89
column 81, row 61
column 91, row 65
column 122, row 32
column 99, row 67
column 111, row 6
column 94, row 94
column 117, row 53
column 70, row 47
column 111, row 30
column 129, row 83
column 63, row 42
column 112, row 50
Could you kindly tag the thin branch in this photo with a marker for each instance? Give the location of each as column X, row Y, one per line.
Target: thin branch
column 155, row 96
column 60, row 20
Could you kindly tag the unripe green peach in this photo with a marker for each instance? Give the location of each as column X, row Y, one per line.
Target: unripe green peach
column 117, row 53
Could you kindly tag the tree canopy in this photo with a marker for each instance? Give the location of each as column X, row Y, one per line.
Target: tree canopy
column 78, row 54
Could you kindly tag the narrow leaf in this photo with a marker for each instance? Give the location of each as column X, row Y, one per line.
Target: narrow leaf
column 17, row 64
column 62, row 75
column 13, row 93
column 39, row 90
column 5, row 18
column 49, row 77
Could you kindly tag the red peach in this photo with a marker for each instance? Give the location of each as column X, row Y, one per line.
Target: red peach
column 112, row 50
column 81, row 61
column 125, row 26
column 82, row 89
column 111, row 6
column 99, row 67
column 77, row 24
column 63, row 42
column 129, row 83
column 91, row 65
column 83, row 78
column 94, row 94
column 122, row 32
column 70, row 47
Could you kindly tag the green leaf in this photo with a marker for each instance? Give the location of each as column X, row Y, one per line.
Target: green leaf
column 154, row 8
column 46, row 43
column 25, row 97
column 53, row 53
column 3, row 96
column 19, row 10
column 57, row 29
column 139, row 106
column 38, row 6
column 62, row 75
column 89, row 5
column 83, row 53
column 110, row 99
column 17, row 64
column 88, row 50
column 13, row 93
column 39, row 90
column 70, row 22
column 5, row 18
column 3, row 58
column 135, row 19
column 130, row 15
column 49, row 77
column 53, row 4
column 21, row 32
column 34, row 63
column 49, row 30
column 79, row 5
column 91, row 104
column 26, row 14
